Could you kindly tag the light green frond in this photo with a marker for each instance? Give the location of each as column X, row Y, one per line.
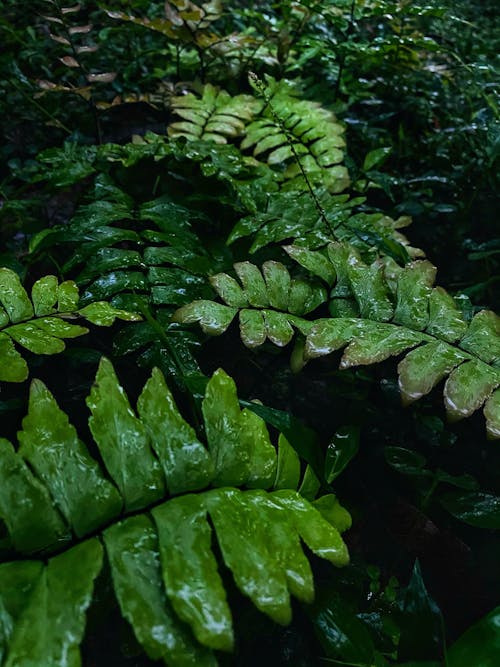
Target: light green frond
column 271, row 304
column 215, row 116
column 300, row 136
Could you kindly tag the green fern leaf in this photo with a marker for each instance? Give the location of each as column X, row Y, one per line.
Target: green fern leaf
column 40, row 324
column 411, row 313
column 281, row 302
column 164, row 570
column 48, row 621
column 162, row 265
column 300, row 134
column 380, row 310
column 293, row 215
column 216, row 116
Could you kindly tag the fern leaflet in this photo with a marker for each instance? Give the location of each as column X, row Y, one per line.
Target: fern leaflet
column 270, row 304
column 216, row 116
column 40, row 323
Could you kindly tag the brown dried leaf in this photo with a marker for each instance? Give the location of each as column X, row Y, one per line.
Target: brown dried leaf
column 46, row 85
column 172, row 15
column 69, row 61
column 104, row 77
column 59, row 40
column 87, row 49
column 115, row 15
column 80, row 29
column 52, row 19
column 71, row 10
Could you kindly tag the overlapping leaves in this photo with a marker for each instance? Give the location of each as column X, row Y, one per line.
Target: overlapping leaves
column 379, row 310
column 165, row 574
column 184, row 21
column 384, row 313
column 271, row 304
column 299, row 138
column 121, row 250
column 294, row 215
column 216, row 116
column 301, row 135
column 41, row 323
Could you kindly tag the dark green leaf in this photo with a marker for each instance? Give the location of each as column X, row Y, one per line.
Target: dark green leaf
column 341, row 449
column 481, row 510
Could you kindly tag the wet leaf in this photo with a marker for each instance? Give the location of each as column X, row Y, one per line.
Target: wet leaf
column 341, row 634
column 13, row 367
column 278, row 283
column 479, row 646
column 288, row 470
column 478, row 509
column 413, row 291
column 51, row 446
column 253, row 328
column 63, row 591
column 483, row 337
column 214, row 318
column 123, row 441
column 13, row 297
column 25, row 504
column 315, row 262
column 190, row 574
column 229, row 290
column 185, row 461
column 253, row 284
column 132, row 547
column 342, row 448
column 221, row 413
column 424, row 367
column 242, row 537
column 376, row 157
column 406, row 461
column 468, row 387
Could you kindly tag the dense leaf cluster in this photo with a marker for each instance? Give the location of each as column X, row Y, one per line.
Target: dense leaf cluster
column 251, row 169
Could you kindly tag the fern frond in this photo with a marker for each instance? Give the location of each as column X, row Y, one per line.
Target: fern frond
column 294, row 215
column 40, row 323
column 164, row 570
column 216, row 116
column 388, row 319
column 292, row 130
column 270, row 304
column 163, row 263
column 379, row 310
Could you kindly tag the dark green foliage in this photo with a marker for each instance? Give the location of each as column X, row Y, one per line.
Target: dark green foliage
column 250, row 168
